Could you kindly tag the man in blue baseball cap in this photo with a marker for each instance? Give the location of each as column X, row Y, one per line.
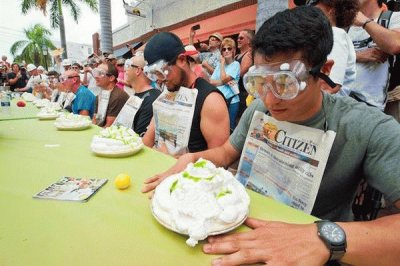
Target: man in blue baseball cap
column 190, row 115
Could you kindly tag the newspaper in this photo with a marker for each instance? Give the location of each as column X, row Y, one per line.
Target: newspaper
column 173, row 115
column 61, row 98
column 127, row 115
column 103, row 99
column 284, row 161
column 68, row 99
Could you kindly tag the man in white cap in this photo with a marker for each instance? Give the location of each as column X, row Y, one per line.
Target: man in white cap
column 66, row 63
column 41, row 70
column 35, row 78
column 112, row 59
column 88, row 80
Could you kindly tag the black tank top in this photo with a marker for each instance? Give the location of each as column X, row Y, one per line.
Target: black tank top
column 197, row 141
column 241, row 86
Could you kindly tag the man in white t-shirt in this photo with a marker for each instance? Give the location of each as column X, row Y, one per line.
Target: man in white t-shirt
column 35, row 78
column 373, row 44
column 88, row 80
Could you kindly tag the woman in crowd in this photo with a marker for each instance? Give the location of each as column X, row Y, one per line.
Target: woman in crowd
column 226, row 77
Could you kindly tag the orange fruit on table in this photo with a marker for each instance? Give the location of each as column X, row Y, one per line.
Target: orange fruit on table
column 122, row 181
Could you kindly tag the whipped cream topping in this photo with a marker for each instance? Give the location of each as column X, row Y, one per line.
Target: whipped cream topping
column 29, row 97
column 41, row 102
column 200, row 201
column 48, row 111
column 71, row 120
column 116, row 139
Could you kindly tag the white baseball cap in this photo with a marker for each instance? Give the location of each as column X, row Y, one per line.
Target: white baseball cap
column 30, row 67
column 66, row 62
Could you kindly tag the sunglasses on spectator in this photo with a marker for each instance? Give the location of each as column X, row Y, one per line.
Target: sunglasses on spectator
column 226, row 49
column 240, row 38
column 213, row 39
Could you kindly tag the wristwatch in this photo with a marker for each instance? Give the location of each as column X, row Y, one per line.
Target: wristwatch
column 334, row 238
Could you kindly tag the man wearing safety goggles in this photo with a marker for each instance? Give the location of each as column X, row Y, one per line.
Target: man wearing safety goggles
column 111, row 99
column 195, row 108
column 83, row 102
column 290, row 55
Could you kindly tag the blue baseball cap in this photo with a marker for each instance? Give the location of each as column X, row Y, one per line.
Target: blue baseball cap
column 163, row 46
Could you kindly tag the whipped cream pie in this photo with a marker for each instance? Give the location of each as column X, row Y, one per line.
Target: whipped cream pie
column 116, row 140
column 203, row 200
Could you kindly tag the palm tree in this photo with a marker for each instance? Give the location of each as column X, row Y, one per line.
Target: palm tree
column 56, row 13
column 106, row 42
column 37, row 36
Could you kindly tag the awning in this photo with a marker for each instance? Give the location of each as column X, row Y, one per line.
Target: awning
column 227, row 24
column 126, row 52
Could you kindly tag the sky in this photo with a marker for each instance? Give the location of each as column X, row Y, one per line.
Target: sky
column 12, row 23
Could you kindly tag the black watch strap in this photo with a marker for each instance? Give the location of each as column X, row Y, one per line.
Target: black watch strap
column 337, row 250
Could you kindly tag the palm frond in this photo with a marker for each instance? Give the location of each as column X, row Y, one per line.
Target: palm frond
column 54, row 15
column 17, row 46
column 26, row 5
column 75, row 11
column 92, row 4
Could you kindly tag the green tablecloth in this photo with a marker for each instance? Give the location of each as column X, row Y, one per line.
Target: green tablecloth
column 113, row 228
column 15, row 112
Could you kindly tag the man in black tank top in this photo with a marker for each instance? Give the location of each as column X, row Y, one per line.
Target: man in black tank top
column 167, row 61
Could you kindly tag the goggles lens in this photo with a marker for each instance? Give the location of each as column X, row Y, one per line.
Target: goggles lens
column 157, row 71
column 285, row 80
column 97, row 72
column 127, row 64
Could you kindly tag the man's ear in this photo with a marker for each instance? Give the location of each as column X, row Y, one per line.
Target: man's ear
column 327, row 67
column 181, row 60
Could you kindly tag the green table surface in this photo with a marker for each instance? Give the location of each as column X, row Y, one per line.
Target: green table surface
column 113, row 228
column 15, row 112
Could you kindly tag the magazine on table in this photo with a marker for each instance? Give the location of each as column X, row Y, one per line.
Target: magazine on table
column 72, row 189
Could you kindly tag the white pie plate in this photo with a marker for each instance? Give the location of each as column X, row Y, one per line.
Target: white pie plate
column 47, row 116
column 116, row 154
column 217, row 231
column 72, row 127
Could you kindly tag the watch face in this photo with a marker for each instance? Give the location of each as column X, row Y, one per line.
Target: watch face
column 333, row 233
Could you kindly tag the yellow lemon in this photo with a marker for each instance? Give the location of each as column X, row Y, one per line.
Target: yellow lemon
column 122, row 181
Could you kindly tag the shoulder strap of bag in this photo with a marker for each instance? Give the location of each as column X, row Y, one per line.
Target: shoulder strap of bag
column 384, row 20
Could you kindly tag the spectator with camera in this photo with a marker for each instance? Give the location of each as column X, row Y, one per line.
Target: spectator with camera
column 16, row 78
column 210, row 54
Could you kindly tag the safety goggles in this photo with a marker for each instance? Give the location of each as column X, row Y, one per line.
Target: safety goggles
column 158, row 70
column 65, row 78
column 284, row 79
column 98, row 72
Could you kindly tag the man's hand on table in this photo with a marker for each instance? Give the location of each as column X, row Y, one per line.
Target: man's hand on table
column 152, row 182
column 273, row 243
